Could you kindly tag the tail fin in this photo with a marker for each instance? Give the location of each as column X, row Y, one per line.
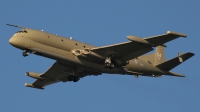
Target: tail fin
column 159, row 56
column 155, row 58
column 170, row 64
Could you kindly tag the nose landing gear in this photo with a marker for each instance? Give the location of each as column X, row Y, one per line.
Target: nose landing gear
column 25, row 53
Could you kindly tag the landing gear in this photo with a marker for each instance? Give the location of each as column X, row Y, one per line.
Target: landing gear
column 25, row 53
column 108, row 63
column 73, row 78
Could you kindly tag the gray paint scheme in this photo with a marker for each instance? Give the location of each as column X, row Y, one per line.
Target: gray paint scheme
column 75, row 59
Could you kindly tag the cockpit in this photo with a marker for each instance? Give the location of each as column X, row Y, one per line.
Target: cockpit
column 22, row 31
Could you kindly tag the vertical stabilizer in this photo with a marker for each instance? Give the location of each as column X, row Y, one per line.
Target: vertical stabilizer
column 159, row 55
column 156, row 58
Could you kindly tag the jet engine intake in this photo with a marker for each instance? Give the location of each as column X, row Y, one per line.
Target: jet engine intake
column 86, row 51
column 77, row 52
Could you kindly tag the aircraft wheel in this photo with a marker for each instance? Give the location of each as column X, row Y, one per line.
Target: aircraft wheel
column 25, row 54
column 111, row 66
column 106, row 65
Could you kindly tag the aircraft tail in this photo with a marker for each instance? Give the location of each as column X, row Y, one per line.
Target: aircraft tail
column 158, row 60
column 170, row 64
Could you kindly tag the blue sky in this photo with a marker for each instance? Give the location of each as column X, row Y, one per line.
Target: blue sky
column 101, row 23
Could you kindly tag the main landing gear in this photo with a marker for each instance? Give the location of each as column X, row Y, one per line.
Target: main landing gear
column 73, row 78
column 25, row 53
column 108, row 63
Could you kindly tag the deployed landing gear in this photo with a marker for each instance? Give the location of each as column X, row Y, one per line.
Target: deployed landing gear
column 25, row 53
column 73, row 78
column 108, row 63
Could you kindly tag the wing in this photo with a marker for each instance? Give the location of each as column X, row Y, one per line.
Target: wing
column 123, row 51
column 161, row 39
column 59, row 72
column 135, row 47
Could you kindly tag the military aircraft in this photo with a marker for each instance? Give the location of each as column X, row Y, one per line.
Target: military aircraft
column 75, row 60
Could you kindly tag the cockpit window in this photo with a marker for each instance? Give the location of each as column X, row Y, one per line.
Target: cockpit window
column 23, row 31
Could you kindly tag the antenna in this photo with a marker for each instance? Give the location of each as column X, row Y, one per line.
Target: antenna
column 15, row 26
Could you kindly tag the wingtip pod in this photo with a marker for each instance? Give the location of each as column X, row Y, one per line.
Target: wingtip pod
column 138, row 40
column 34, row 75
column 178, row 34
column 32, row 86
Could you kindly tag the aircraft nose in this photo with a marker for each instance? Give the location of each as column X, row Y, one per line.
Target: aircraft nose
column 16, row 41
column 11, row 41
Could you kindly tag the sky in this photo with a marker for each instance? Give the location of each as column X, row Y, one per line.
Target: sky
column 101, row 22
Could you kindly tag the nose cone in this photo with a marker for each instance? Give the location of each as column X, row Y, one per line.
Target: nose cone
column 11, row 41
column 15, row 41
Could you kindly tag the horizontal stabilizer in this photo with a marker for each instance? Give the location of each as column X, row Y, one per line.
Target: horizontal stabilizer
column 170, row 64
column 161, row 39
